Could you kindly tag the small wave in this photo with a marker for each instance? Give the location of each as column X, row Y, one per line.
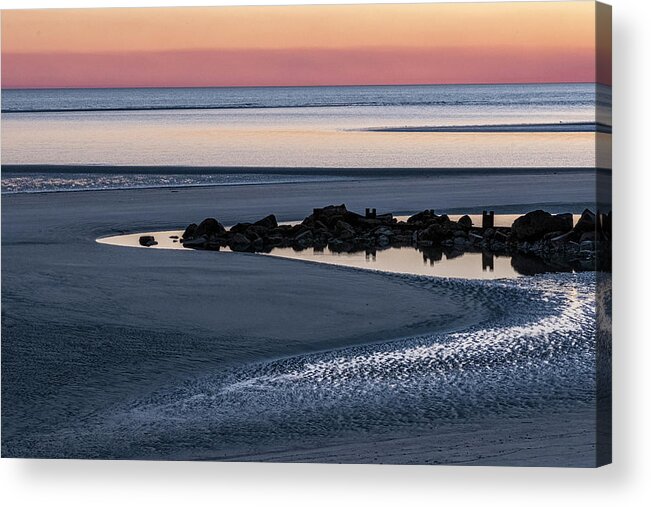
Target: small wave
column 290, row 105
column 20, row 183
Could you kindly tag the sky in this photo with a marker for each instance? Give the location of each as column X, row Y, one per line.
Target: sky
column 300, row 45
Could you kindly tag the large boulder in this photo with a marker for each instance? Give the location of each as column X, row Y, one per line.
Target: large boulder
column 586, row 223
column 536, row 224
column 268, row 222
column 209, row 227
column 240, row 227
column 465, row 221
column 190, row 231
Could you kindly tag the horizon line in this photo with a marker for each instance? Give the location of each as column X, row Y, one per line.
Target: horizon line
column 505, row 83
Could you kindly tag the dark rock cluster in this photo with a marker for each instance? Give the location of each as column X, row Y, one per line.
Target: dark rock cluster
column 553, row 239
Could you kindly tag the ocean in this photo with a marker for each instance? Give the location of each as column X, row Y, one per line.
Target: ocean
column 84, row 139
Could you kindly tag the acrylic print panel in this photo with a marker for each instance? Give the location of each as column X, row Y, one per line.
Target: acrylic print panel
column 339, row 234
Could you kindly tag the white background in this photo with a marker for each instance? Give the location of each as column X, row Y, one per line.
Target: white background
column 626, row 482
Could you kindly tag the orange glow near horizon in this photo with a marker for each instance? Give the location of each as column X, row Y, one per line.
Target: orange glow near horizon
column 300, row 45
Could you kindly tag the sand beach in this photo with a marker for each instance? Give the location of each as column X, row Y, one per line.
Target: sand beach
column 118, row 352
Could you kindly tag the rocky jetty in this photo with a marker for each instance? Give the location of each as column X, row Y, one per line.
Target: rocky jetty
column 538, row 236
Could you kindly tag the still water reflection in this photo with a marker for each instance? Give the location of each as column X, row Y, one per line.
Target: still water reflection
column 422, row 261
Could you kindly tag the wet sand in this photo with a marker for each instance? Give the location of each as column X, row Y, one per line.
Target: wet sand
column 88, row 327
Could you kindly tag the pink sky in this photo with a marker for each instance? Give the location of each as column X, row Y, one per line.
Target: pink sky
column 303, row 45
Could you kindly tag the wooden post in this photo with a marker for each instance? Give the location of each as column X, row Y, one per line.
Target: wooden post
column 487, row 219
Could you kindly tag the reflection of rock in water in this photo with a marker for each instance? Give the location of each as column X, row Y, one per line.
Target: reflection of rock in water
column 431, row 254
column 532, row 265
column 487, row 261
column 453, row 254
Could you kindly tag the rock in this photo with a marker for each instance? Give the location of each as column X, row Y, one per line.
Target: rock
column 562, row 238
column 282, row 230
column 423, row 216
column 268, row 222
column 328, row 215
column 383, row 240
column 199, row 242
column 274, row 240
column 304, row 239
column 465, row 221
column 335, row 245
column 174, row 237
column 498, row 246
column 587, row 246
column 147, row 241
column 567, row 219
column 344, row 230
column 241, row 227
column 318, row 225
column 441, row 230
column 385, row 218
column 251, row 235
column 298, row 229
column 239, row 242
column 401, row 239
column 550, row 238
column 210, row 227
column 588, row 236
column 586, row 223
column 536, row 224
column 255, row 231
column 383, row 231
column 257, row 245
column 500, row 236
column 190, row 231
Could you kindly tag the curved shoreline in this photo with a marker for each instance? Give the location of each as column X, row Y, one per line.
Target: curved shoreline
column 89, row 329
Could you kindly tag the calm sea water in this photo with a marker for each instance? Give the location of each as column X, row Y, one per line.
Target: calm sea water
column 327, row 127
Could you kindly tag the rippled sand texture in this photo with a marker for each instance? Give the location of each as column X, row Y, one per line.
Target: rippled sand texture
column 533, row 357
